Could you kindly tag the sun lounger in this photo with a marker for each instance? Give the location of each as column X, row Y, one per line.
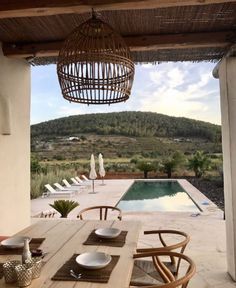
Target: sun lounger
column 82, row 182
column 79, row 183
column 75, row 182
column 85, row 178
column 52, row 192
column 68, row 185
column 79, row 180
column 60, row 187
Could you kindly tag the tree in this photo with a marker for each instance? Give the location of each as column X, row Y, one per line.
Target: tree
column 199, row 163
column 168, row 167
column 171, row 164
column 146, row 167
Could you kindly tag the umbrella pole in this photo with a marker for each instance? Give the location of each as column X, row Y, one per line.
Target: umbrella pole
column 93, row 186
column 103, row 181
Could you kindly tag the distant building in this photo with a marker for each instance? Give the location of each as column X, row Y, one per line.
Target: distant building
column 73, row 138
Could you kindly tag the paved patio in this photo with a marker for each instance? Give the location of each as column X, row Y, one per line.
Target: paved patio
column 207, row 231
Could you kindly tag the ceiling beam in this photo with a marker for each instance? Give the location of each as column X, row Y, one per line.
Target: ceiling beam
column 136, row 43
column 32, row 8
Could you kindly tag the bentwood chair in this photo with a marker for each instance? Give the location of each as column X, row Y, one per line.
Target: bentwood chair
column 103, row 212
column 159, row 276
column 169, row 240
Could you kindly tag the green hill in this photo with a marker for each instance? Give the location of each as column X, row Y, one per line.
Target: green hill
column 132, row 124
column 122, row 135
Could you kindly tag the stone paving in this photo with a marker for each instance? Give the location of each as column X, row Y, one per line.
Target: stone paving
column 207, row 230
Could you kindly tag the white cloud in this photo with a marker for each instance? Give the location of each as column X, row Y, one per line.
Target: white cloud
column 196, row 88
column 192, row 100
column 147, row 66
column 176, row 77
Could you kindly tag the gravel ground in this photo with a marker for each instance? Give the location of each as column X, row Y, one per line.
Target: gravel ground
column 212, row 188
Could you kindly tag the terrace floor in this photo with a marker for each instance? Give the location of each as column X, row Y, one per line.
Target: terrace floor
column 207, row 231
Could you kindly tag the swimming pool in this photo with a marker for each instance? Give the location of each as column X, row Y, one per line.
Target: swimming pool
column 157, row 196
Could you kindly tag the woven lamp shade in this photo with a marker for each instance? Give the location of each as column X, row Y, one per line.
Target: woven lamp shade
column 94, row 65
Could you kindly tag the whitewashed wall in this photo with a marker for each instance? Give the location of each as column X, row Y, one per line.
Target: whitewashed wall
column 14, row 145
column 227, row 73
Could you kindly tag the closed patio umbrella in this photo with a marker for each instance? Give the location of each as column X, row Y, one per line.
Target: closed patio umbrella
column 102, row 171
column 92, row 173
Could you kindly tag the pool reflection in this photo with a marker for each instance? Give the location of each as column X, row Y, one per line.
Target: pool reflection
column 157, row 196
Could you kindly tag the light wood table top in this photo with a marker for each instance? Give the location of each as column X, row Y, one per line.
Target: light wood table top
column 65, row 237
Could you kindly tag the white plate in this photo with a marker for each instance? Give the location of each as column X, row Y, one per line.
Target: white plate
column 108, row 232
column 93, row 260
column 14, row 242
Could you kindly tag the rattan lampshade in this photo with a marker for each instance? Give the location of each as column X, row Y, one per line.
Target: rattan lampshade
column 94, row 65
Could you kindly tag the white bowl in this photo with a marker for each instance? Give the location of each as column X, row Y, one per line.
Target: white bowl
column 108, row 232
column 93, row 260
column 14, row 242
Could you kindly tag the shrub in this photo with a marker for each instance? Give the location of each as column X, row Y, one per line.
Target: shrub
column 199, row 163
column 64, row 207
column 146, row 167
column 59, row 157
column 35, row 167
column 39, row 180
column 135, row 159
column 172, row 163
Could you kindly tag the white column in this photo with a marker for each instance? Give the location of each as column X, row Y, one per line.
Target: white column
column 227, row 75
column 14, row 145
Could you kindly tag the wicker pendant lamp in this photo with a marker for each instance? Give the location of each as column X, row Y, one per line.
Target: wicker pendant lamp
column 94, row 65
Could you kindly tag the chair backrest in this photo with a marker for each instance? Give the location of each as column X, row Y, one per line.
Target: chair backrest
column 78, row 179
column 67, row 184
column 103, row 211
column 50, row 188
column 74, row 181
column 59, row 186
column 170, row 280
column 85, row 178
column 181, row 240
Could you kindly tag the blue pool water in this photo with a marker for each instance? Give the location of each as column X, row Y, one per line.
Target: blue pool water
column 157, row 196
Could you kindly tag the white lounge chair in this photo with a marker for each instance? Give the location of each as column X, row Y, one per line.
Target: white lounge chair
column 82, row 182
column 52, row 192
column 79, row 180
column 85, row 178
column 75, row 182
column 60, row 187
column 79, row 183
column 68, row 185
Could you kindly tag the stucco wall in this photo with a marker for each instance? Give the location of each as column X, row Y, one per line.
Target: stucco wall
column 14, row 148
column 227, row 73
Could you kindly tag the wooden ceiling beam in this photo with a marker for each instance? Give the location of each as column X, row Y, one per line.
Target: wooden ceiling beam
column 32, row 8
column 136, row 43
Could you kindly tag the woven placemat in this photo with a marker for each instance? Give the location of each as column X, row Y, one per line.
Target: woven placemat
column 119, row 241
column 87, row 275
column 34, row 244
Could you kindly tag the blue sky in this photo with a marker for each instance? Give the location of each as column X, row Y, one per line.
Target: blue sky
column 177, row 89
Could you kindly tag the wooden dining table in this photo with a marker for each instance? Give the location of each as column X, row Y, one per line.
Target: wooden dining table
column 64, row 237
